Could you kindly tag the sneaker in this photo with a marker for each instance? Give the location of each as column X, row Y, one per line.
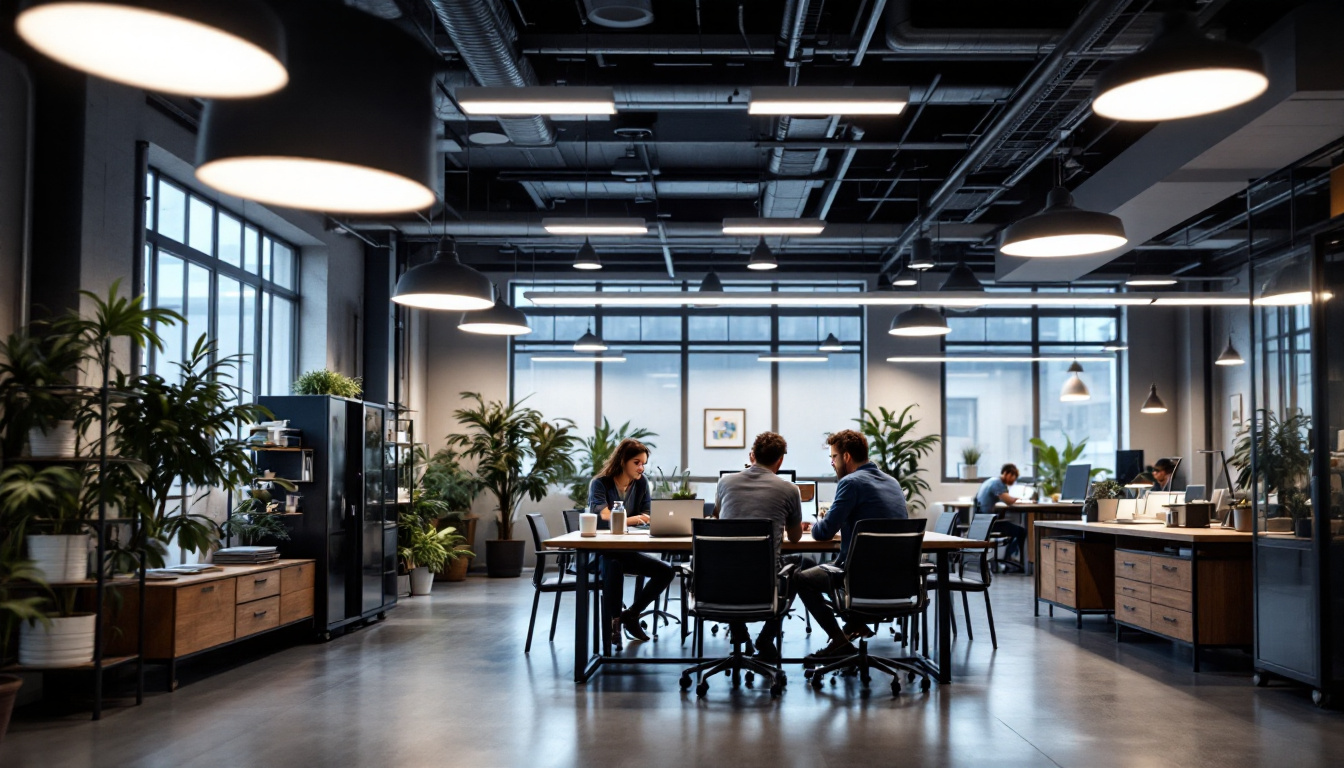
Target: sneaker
column 838, row 649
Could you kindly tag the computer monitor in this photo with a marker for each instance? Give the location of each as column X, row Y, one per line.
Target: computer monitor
column 1075, row 482
column 1128, row 465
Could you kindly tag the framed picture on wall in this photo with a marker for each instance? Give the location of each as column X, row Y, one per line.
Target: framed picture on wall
column 725, row 428
column 1234, row 409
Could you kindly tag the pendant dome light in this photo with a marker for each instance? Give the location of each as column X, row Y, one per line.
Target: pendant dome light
column 905, row 278
column 1230, row 355
column 202, row 48
column 587, row 257
column 962, row 278
column 1062, row 229
column 353, row 132
column 919, row 321
column 921, row 254
column 590, row 342
column 711, row 283
column 499, row 320
column 762, row 258
column 1154, row 403
column 1182, row 73
column 445, row 283
column 1074, row 390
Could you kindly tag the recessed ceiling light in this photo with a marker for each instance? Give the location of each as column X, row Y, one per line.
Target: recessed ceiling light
column 537, row 100
column 784, row 100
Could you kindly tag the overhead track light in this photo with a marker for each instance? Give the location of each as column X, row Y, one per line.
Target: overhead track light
column 831, row 344
column 202, row 48
column 1182, row 73
column 1154, row 403
column 445, row 283
column 921, row 254
column 587, row 257
column 762, row 258
column 590, row 342
column 499, row 320
column 1230, row 355
column 773, row 226
column 1062, row 229
column 537, row 100
column 784, row 100
column 353, row 132
column 919, row 321
column 1150, row 280
column 586, row 226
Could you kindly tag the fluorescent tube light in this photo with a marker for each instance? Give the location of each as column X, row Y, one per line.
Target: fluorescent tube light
column 773, row 226
column 537, row 100
column 783, row 100
column 579, row 359
column 792, row 358
column 581, row 226
column 994, row 359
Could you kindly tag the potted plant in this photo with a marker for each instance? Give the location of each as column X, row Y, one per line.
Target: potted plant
column 970, row 462
column 325, row 382
column 41, row 508
column 258, row 517
column 1282, row 464
column 445, row 480
column 1053, row 463
column 892, row 446
column 504, row 438
column 593, row 453
column 426, row 551
column 1105, row 501
column 13, row 611
column 39, row 368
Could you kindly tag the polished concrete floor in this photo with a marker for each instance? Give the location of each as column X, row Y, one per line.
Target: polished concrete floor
column 443, row 681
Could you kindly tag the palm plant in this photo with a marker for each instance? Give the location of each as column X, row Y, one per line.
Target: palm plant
column 892, row 446
column 1282, row 452
column 594, row 452
column 504, row 438
column 1053, row 463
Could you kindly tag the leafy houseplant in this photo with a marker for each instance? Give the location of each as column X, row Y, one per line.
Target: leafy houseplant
column 504, row 438
column 1282, row 453
column 258, row 516
column 1053, row 463
column 970, row 462
column 326, row 382
column 1104, row 501
column 426, row 550
column 674, row 486
column 42, row 508
column 897, row 452
column 594, row 452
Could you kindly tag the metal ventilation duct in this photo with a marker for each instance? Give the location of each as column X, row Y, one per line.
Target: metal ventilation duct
column 485, row 38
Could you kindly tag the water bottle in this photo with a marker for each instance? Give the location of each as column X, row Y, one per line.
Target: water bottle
column 618, row 518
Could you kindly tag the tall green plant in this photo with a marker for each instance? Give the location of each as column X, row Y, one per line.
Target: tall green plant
column 1053, row 463
column 1282, row 453
column 896, row 451
column 445, row 480
column 504, row 438
column 594, row 452
column 13, row 610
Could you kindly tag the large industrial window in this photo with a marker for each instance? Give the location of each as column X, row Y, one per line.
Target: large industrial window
column 232, row 280
column 681, row 361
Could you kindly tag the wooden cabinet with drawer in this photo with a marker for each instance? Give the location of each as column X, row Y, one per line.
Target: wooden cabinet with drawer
column 1186, row 598
column 1075, row 574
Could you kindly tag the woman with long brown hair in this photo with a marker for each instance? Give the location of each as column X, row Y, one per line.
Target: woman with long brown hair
column 622, row 479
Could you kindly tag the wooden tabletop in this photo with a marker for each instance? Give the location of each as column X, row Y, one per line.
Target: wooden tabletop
column 1062, row 507
column 1150, row 531
column 228, row 572
column 641, row 541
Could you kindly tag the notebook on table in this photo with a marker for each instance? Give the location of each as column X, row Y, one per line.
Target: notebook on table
column 672, row 517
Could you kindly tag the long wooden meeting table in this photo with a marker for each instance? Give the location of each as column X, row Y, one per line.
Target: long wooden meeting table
column 586, row 664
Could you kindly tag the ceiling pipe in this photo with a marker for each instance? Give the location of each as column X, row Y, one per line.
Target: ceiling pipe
column 1091, row 22
column 869, row 30
column 833, row 186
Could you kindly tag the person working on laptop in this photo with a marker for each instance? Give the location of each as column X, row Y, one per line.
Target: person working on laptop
column 863, row 492
column 993, row 491
column 758, row 491
column 622, row 479
column 1162, row 472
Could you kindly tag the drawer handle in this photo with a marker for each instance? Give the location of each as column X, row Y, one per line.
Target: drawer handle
column 1064, row 572
column 261, row 581
column 1168, row 618
column 1126, row 589
column 1127, row 564
column 1128, row 607
column 207, row 590
column 1065, row 589
column 259, row 614
column 1168, row 567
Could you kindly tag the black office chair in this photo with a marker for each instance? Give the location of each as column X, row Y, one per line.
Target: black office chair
column 973, row 575
column 734, row 576
column 572, row 519
column 543, row 583
column 884, row 581
column 947, row 522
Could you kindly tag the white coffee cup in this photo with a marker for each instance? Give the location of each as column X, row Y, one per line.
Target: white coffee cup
column 587, row 524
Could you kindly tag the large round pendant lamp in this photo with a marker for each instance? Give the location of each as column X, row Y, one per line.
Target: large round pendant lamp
column 919, row 321
column 1062, row 229
column 445, row 283
column 499, row 320
column 1074, row 390
column 1182, row 73
column 205, row 48
column 352, row 133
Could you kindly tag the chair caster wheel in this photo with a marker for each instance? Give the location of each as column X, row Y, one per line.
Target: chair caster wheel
column 1260, row 680
column 924, row 685
column 807, row 674
column 816, row 682
column 685, row 683
column 895, row 688
column 751, row 678
column 776, row 690
column 702, row 689
column 909, row 677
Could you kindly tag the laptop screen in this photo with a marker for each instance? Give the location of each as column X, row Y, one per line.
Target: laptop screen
column 807, row 489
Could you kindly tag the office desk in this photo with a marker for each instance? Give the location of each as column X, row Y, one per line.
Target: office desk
column 1025, row 514
column 586, row 664
column 1188, row 585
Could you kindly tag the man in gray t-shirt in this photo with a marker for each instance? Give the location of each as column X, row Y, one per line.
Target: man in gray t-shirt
column 759, row 492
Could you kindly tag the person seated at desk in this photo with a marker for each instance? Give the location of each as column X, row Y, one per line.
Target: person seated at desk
column 993, row 491
column 622, row 479
column 863, row 492
column 1162, row 472
column 758, row 491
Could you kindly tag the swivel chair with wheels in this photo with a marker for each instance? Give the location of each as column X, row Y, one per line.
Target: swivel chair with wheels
column 734, row 576
column 884, row 581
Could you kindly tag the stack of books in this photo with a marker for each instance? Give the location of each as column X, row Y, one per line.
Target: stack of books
column 246, row 555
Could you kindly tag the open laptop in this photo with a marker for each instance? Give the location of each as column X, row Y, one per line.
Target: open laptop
column 807, row 490
column 672, row 517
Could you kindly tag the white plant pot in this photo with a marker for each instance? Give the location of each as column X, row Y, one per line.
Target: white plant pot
column 969, row 471
column 68, row 642
column 60, row 558
column 404, row 584
column 422, row 581
column 57, row 442
column 1107, row 509
column 1242, row 517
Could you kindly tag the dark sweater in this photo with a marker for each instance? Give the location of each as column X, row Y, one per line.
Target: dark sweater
column 602, row 494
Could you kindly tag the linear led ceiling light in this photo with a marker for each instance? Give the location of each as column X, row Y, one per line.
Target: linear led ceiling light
column 792, row 358
column 300, row 147
column 783, row 100
column 1154, row 403
column 993, row 359
column 579, row 359
column 1062, row 229
column 773, row 226
column 1150, row 280
column 445, row 283
column 1182, row 73
column 954, row 299
column 499, row 320
column 587, row 257
column 1230, row 355
column 203, row 48
column 584, row 226
column 537, row 100
column 1290, row 286
column 919, row 321
column 762, row 258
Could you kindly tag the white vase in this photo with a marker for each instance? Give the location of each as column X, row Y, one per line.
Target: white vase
column 969, row 471
column 56, row 442
column 68, row 642
column 60, row 558
column 422, row 581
